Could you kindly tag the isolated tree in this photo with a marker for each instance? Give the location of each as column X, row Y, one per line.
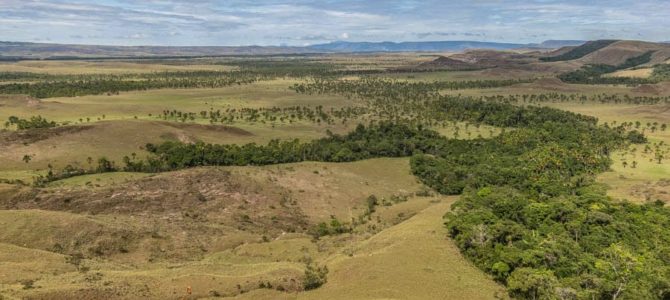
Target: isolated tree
column 105, row 165
column 314, row 276
column 528, row 283
column 619, row 266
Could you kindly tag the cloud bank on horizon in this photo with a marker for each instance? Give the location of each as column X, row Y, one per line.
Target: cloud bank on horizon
column 304, row 22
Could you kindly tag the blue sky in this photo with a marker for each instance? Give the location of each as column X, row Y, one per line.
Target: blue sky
column 303, row 22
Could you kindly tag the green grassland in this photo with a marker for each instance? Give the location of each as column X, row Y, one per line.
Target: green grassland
column 126, row 125
column 118, row 125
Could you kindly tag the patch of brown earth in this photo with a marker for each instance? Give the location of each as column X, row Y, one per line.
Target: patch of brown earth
column 190, row 212
column 491, row 58
column 550, row 84
column 653, row 191
column 206, row 194
column 648, row 89
column 20, row 100
column 218, row 128
column 449, row 64
column 30, row 136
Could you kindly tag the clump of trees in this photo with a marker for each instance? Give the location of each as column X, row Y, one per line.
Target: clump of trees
column 31, row 123
column 104, row 165
column 315, row 276
column 334, row 227
column 661, row 72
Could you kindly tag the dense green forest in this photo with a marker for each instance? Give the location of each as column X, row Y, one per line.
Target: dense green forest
column 580, row 51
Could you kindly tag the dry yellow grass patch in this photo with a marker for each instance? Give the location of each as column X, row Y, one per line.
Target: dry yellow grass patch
column 637, row 73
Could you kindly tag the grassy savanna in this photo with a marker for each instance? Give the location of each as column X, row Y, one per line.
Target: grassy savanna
column 636, row 174
column 140, row 104
column 118, row 125
column 259, row 231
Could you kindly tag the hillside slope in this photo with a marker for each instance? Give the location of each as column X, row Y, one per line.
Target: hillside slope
column 224, row 231
column 610, row 52
column 412, row 260
column 618, row 52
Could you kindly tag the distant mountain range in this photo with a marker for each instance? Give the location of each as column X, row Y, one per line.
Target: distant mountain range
column 555, row 44
column 22, row 50
column 342, row 46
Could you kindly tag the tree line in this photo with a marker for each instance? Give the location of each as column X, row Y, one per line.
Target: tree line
column 317, row 114
column 31, row 123
column 113, row 84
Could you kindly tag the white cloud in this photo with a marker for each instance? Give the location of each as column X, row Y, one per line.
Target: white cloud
column 264, row 22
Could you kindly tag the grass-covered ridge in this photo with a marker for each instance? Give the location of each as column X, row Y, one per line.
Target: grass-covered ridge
column 580, row 51
column 593, row 74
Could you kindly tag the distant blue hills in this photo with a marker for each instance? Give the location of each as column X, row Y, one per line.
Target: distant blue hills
column 343, row 46
column 25, row 50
